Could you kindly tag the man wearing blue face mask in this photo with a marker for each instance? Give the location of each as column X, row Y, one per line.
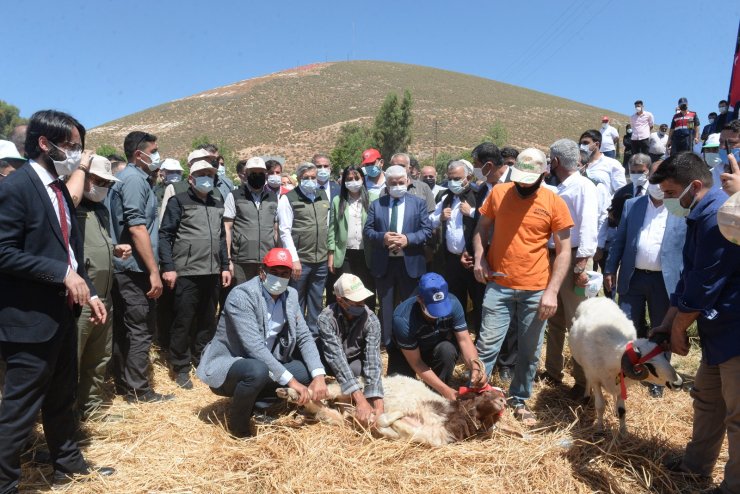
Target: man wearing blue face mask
column 195, row 264
column 372, row 168
column 303, row 219
column 171, row 173
column 707, row 294
column 331, row 189
column 136, row 284
column 350, row 340
column 258, row 342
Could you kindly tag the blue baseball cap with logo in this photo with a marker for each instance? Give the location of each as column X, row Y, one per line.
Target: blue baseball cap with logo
column 435, row 295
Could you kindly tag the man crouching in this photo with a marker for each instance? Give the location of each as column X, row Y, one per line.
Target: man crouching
column 350, row 339
column 252, row 352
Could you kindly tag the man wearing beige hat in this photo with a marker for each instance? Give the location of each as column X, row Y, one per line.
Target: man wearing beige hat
column 349, row 336
column 250, row 218
column 94, row 340
column 192, row 251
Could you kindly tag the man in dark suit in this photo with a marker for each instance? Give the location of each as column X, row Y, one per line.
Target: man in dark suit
column 43, row 282
column 397, row 226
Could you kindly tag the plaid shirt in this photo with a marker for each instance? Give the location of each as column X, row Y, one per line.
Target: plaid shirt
column 362, row 334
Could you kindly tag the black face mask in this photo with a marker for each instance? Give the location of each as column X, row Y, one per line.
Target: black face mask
column 256, row 180
column 528, row 191
column 683, row 107
column 430, row 182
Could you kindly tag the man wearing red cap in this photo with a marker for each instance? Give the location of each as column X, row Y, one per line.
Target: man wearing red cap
column 253, row 351
column 372, row 167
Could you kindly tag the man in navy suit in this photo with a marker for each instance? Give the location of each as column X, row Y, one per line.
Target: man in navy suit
column 397, row 227
column 647, row 252
column 43, row 282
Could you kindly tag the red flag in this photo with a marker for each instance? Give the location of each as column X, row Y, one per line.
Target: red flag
column 734, row 96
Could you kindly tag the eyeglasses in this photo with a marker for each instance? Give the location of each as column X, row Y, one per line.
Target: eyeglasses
column 71, row 146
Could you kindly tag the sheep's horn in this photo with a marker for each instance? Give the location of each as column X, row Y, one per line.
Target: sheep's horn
column 629, row 370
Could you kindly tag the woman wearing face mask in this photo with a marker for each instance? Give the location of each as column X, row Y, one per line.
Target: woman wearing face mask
column 347, row 250
column 94, row 340
column 253, row 351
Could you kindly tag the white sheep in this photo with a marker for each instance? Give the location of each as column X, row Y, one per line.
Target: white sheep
column 413, row 412
column 599, row 341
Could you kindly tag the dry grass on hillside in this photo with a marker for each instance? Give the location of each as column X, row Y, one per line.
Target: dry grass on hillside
column 181, row 447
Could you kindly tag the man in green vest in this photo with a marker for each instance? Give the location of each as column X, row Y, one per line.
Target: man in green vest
column 250, row 218
column 192, row 250
column 303, row 217
column 94, row 341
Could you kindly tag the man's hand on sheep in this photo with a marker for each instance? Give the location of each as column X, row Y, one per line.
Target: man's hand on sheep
column 317, row 388
column 548, row 305
column 304, row 395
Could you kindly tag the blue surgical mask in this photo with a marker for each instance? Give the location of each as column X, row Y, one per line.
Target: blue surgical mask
column 275, row 285
column 221, row 170
column 309, row 186
column 323, row 174
column 372, row 171
column 456, row 186
column 172, row 177
column 723, row 155
column 354, row 310
column 673, row 205
column 204, row 184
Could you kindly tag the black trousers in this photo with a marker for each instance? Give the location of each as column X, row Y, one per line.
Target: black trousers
column 40, row 376
column 133, row 326
column 194, row 321
column 462, row 284
column 640, row 146
column 249, row 379
column 681, row 142
column 354, row 263
column 441, row 358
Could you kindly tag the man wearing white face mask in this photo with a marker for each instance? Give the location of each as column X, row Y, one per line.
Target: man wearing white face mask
column 609, row 138
column 171, row 173
column 642, row 124
column 194, row 259
column 397, row 227
column 455, row 213
column 657, row 143
column 254, row 349
column 646, row 253
column 137, row 284
column 590, row 142
column 710, row 151
column 303, row 222
column 331, row 189
column 43, row 284
column 94, row 341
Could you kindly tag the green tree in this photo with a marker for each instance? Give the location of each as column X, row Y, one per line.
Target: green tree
column 9, row 119
column 352, row 140
column 107, row 150
column 497, row 134
column 392, row 128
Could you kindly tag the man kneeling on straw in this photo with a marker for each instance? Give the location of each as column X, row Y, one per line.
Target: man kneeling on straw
column 252, row 352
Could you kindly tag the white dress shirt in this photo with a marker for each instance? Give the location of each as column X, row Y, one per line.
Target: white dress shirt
column 581, row 197
column 46, row 179
column 611, row 166
column 354, row 223
column 454, row 238
column 651, row 238
column 285, row 223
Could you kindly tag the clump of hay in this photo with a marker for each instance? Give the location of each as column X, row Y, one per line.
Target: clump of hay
column 182, row 447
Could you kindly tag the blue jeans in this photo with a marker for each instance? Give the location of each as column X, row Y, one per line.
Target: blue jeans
column 500, row 306
column 610, row 154
column 310, row 288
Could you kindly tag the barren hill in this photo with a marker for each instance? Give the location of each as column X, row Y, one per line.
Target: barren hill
column 298, row 112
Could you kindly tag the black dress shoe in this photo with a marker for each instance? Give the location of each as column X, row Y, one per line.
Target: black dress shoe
column 182, row 379
column 150, row 396
column 547, row 379
column 61, row 478
column 675, row 465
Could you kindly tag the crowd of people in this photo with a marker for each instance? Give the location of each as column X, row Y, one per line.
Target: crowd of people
column 279, row 281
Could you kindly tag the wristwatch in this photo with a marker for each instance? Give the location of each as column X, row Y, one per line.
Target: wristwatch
column 578, row 269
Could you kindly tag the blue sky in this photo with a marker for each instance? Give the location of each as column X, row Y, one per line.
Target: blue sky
column 103, row 59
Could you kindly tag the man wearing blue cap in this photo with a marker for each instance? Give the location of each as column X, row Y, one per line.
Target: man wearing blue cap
column 431, row 333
